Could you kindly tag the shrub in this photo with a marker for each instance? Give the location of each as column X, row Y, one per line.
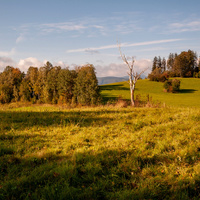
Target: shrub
column 156, row 75
column 172, row 85
column 167, row 86
column 176, row 85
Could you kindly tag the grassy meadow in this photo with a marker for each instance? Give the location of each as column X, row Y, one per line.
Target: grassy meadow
column 189, row 95
column 104, row 152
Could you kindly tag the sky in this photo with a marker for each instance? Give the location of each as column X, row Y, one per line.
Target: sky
column 77, row 32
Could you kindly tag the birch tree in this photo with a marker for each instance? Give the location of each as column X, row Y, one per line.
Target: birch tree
column 133, row 75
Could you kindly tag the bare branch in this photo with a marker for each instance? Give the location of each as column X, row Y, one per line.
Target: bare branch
column 123, row 56
column 143, row 71
column 133, row 76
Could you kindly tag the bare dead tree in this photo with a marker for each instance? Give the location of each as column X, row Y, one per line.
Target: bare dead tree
column 133, row 76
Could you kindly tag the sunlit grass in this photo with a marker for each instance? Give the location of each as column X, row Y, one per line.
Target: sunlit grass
column 50, row 152
column 189, row 95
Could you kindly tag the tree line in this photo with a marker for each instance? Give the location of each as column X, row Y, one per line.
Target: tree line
column 185, row 64
column 50, row 84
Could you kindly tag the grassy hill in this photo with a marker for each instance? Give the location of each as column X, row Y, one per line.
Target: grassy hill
column 189, row 96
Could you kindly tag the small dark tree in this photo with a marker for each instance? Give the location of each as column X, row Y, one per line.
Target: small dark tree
column 155, row 63
column 159, row 65
column 163, row 65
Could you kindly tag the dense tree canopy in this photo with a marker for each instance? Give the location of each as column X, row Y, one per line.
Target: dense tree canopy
column 183, row 65
column 86, row 86
column 50, row 84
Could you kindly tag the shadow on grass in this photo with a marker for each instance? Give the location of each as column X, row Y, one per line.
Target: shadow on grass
column 113, row 87
column 112, row 98
column 183, row 91
column 110, row 174
column 22, row 120
column 108, row 99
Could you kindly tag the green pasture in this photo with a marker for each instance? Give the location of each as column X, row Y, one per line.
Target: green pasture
column 189, row 95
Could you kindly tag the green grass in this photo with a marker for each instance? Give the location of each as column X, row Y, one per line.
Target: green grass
column 49, row 152
column 105, row 152
column 189, row 95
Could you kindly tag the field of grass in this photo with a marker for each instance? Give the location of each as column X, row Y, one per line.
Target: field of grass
column 50, row 152
column 189, row 95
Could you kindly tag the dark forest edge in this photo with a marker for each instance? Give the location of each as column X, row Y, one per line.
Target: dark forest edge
column 185, row 65
column 50, row 84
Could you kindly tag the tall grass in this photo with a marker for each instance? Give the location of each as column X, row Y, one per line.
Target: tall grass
column 49, row 152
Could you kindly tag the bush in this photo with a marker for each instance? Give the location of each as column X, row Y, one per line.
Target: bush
column 172, row 85
column 156, row 75
column 176, row 85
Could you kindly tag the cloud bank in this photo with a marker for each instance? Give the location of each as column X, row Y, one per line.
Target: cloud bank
column 5, row 61
column 120, row 70
column 112, row 69
column 24, row 64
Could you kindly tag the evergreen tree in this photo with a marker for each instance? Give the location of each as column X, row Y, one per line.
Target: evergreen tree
column 163, row 65
column 159, row 64
column 170, row 61
column 155, row 61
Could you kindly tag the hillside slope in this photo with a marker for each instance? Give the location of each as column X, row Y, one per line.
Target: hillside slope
column 189, row 95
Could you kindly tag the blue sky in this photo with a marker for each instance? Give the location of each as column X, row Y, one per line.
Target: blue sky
column 78, row 32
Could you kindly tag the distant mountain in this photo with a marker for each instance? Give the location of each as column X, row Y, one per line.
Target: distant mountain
column 111, row 79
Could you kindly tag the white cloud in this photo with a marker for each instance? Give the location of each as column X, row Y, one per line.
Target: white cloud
column 5, row 61
column 184, row 26
column 120, row 70
column 20, row 39
column 24, row 64
column 7, row 53
column 61, row 64
column 65, row 26
column 113, row 46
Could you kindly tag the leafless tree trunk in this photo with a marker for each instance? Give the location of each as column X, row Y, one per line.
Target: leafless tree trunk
column 133, row 76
